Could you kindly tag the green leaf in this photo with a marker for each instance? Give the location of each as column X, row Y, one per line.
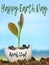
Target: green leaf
column 12, row 27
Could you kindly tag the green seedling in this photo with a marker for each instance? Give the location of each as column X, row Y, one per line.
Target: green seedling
column 16, row 31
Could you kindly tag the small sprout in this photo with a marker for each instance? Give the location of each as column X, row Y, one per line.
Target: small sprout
column 20, row 24
column 14, row 30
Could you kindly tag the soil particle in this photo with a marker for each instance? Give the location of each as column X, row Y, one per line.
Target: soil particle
column 32, row 61
column 23, row 47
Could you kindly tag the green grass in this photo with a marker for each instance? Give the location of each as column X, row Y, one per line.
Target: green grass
column 3, row 58
column 38, row 58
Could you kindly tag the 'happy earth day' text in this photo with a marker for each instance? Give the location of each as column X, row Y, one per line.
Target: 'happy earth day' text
column 25, row 9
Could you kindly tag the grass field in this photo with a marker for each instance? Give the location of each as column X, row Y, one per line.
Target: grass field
column 3, row 58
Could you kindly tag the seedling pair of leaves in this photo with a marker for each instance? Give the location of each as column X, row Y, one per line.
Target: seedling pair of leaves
column 16, row 31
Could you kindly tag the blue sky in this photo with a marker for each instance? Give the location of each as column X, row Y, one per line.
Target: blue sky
column 35, row 30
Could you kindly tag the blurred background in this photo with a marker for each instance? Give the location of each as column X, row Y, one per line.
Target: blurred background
column 35, row 31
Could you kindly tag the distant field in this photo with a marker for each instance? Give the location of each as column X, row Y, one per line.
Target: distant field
column 3, row 58
column 38, row 58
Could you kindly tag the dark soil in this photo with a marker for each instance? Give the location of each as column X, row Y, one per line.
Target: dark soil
column 23, row 47
column 32, row 61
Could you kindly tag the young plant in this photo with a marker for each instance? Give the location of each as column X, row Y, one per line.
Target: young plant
column 16, row 31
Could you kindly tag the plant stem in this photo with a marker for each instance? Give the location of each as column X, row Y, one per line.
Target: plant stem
column 19, row 38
